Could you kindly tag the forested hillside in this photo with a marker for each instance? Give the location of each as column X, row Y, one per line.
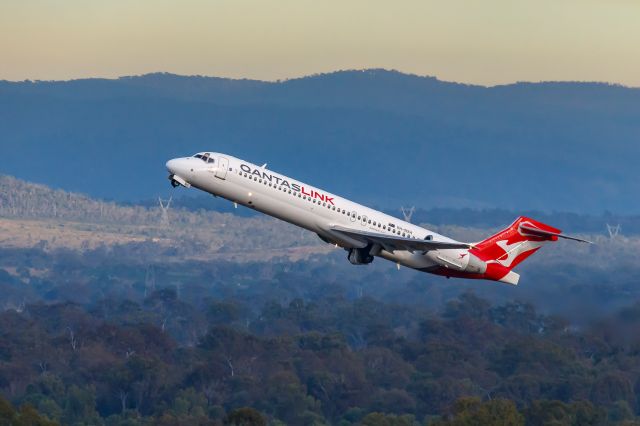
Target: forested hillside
column 35, row 217
column 105, row 341
column 112, row 316
column 380, row 137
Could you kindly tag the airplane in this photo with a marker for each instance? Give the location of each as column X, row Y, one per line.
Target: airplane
column 363, row 232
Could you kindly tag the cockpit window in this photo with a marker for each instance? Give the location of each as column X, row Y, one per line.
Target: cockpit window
column 204, row 157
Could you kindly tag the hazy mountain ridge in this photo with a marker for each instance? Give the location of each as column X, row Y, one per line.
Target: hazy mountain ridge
column 373, row 86
column 377, row 136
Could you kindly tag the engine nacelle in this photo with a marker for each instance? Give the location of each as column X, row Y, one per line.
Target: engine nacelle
column 475, row 265
column 363, row 256
column 459, row 260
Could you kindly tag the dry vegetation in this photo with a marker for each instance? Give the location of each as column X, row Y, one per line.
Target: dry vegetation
column 37, row 216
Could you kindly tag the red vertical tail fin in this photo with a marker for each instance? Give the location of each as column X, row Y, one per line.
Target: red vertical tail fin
column 506, row 249
column 514, row 244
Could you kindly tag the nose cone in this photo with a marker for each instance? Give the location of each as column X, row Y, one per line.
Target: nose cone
column 179, row 166
column 172, row 166
column 179, row 171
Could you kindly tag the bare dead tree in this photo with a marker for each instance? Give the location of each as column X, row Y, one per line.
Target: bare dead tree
column 230, row 365
column 123, row 399
column 72, row 339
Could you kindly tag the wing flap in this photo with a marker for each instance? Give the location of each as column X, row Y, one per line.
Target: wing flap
column 391, row 243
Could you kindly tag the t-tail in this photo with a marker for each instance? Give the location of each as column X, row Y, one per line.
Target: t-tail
column 505, row 250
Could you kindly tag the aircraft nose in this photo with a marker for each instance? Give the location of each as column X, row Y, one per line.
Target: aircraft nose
column 179, row 166
column 172, row 166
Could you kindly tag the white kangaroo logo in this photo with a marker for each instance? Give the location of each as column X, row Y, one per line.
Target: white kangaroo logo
column 513, row 250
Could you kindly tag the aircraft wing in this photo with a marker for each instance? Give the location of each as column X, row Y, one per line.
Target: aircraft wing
column 392, row 242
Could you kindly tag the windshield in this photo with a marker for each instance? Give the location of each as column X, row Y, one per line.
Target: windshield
column 204, row 157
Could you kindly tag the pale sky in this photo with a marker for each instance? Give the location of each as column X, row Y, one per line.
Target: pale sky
column 484, row 42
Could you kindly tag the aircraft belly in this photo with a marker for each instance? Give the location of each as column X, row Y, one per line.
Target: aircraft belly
column 408, row 259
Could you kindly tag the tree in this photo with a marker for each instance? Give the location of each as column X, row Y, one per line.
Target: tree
column 25, row 416
column 381, row 419
column 471, row 411
column 245, row 416
column 548, row 413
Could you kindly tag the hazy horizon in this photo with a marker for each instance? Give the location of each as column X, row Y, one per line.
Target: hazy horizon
column 314, row 74
column 488, row 43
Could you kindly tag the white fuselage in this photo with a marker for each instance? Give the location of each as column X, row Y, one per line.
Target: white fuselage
column 306, row 206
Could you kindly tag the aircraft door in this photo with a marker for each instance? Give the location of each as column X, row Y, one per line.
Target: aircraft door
column 223, row 165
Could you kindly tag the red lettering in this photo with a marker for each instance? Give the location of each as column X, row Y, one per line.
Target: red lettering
column 329, row 200
column 318, row 195
column 304, row 193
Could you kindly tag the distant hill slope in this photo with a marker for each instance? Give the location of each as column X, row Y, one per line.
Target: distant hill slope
column 36, row 216
column 377, row 136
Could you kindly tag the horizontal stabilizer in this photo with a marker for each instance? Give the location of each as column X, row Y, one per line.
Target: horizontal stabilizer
column 531, row 230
